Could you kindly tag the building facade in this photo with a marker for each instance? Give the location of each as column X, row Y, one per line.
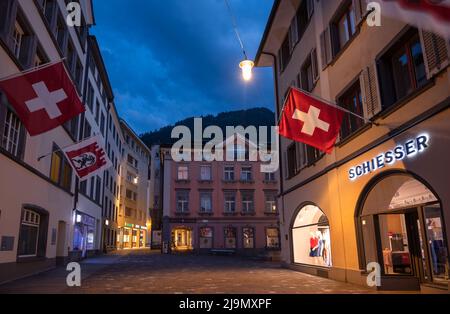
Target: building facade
column 36, row 227
column 219, row 206
column 155, row 197
column 382, row 196
column 134, row 223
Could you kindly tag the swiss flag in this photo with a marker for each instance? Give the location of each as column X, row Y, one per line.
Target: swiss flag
column 311, row 121
column 87, row 158
column 44, row 98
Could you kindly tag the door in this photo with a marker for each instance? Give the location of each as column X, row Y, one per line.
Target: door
column 417, row 249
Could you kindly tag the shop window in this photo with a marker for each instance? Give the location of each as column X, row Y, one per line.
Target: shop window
column 401, row 224
column 230, row 237
column 272, row 238
column 402, row 69
column 248, row 237
column 352, row 101
column 311, row 237
column 206, row 238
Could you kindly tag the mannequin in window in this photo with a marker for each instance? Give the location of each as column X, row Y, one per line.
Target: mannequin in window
column 387, row 260
column 313, row 244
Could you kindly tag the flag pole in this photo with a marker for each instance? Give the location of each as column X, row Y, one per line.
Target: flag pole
column 62, row 148
column 332, row 104
column 40, row 67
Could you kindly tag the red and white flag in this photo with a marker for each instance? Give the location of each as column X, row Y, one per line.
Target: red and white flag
column 311, row 121
column 431, row 15
column 88, row 157
column 44, row 98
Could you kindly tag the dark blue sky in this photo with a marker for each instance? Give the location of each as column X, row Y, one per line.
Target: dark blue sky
column 171, row 59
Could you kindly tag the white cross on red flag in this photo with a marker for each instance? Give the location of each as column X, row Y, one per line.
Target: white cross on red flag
column 87, row 158
column 311, row 121
column 44, row 98
column 431, row 15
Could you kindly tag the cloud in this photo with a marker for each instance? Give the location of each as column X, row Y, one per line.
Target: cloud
column 171, row 59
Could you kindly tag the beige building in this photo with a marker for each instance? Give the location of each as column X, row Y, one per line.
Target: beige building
column 36, row 227
column 134, row 219
column 382, row 196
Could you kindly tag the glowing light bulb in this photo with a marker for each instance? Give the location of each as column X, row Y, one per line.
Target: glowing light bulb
column 247, row 67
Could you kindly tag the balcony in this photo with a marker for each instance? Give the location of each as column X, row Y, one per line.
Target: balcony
column 230, row 213
column 205, row 212
column 183, row 213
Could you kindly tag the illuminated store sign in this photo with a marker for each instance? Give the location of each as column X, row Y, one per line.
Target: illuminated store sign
column 407, row 150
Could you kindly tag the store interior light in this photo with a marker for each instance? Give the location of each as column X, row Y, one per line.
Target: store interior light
column 135, row 180
column 247, row 68
column 107, row 222
column 78, row 218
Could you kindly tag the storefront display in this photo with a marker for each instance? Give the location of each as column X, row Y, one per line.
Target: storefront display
column 249, row 238
column 84, row 233
column 273, row 238
column 206, row 238
column 311, row 237
column 230, row 237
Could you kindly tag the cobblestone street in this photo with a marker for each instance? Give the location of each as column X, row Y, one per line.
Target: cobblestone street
column 151, row 272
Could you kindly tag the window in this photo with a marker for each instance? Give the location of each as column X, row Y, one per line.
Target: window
column 205, row 202
column 16, row 39
column 230, row 237
column 90, row 98
column 272, row 238
column 205, row 173
column 128, row 193
column 60, row 33
column 11, row 132
column 102, row 124
column 230, row 201
column 248, row 238
column 98, row 185
column 311, row 237
column 229, row 173
column 291, row 161
column 248, row 201
column 83, row 187
column 304, row 14
column 128, row 212
column 246, row 173
column 309, row 72
column 29, row 234
column 269, row 177
column 183, row 173
column 352, row 100
column 270, row 202
column 345, row 27
column 60, row 171
column 183, row 201
column 87, row 130
column 402, row 69
column 206, row 238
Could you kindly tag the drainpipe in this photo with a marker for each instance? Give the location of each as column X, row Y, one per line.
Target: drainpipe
column 277, row 101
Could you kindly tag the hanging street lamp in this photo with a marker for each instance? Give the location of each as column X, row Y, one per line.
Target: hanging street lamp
column 247, row 68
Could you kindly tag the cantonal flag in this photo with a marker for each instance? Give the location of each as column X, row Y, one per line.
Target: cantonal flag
column 87, row 158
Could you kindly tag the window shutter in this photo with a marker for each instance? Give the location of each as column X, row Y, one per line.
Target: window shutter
column 435, row 52
column 358, row 7
column 370, row 91
column 314, row 65
column 22, row 141
column 325, row 48
column 293, row 34
column 2, row 114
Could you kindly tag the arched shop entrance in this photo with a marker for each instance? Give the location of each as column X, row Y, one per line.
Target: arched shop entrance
column 401, row 227
column 311, row 237
column 181, row 239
